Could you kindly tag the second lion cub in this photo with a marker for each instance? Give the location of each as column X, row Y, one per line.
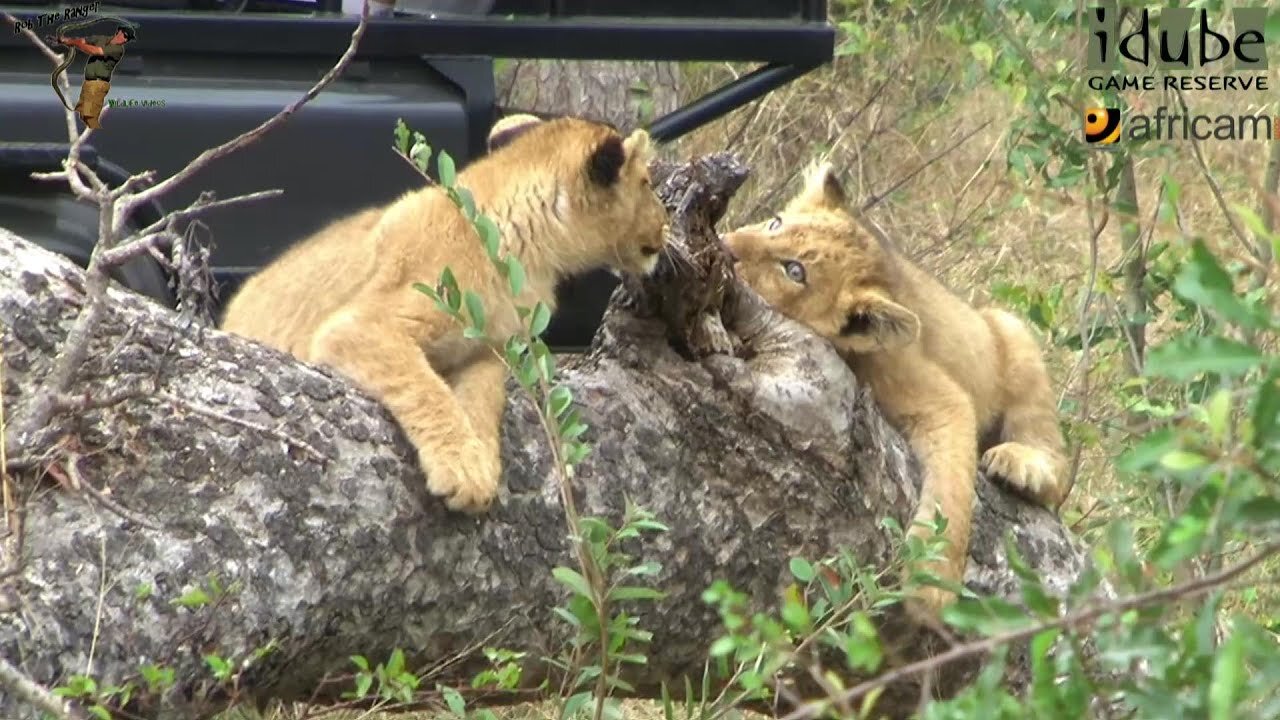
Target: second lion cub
column 945, row 374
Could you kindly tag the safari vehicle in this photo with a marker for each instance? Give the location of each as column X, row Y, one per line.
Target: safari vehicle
column 223, row 66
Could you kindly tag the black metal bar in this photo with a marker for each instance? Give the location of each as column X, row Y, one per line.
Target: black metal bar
column 577, row 38
column 724, row 100
column 22, row 158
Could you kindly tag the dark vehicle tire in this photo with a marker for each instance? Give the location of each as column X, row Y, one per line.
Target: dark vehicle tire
column 60, row 223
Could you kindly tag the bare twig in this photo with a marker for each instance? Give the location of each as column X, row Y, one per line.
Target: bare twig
column 1083, row 616
column 115, row 207
column 1216, row 191
column 130, row 202
column 29, row 690
column 212, row 414
column 78, row 483
column 878, row 197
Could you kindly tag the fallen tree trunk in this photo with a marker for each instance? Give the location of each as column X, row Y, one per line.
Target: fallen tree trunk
column 299, row 494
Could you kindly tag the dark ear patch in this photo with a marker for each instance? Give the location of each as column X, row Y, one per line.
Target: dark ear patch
column 834, row 190
column 604, row 167
column 858, row 323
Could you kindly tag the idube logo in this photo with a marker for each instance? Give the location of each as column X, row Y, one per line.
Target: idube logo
column 1188, row 47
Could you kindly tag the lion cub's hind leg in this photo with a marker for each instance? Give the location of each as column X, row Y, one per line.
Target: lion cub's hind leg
column 1030, row 455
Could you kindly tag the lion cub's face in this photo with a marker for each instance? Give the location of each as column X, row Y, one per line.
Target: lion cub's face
column 607, row 199
column 815, row 263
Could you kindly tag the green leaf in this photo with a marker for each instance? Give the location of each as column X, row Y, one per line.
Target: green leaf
column 420, row 154
column 395, row 663
column 1266, row 412
column 446, row 170
column 575, row 705
column 1228, row 679
column 221, row 668
column 360, row 662
column 983, row 53
column 401, row 136
column 1218, row 414
column 1203, row 282
column 466, row 202
column 1183, row 460
column 515, row 274
column 194, row 598
column 560, row 399
column 723, row 646
column 635, row 592
column 541, row 319
column 100, row 712
column 1148, row 451
column 577, row 452
column 475, row 308
column 489, row 235
column 573, row 580
column 801, row 569
column 1261, row 511
column 448, row 289
column 1188, row 355
column 453, row 699
column 862, row 647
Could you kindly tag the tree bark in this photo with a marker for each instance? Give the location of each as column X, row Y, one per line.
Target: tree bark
column 301, row 495
column 625, row 94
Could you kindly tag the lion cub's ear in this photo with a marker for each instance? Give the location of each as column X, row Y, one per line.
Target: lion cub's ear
column 874, row 323
column 638, row 147
column 822, row 189
column 511, row 127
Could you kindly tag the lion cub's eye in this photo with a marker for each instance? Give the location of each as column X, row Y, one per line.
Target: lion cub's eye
column 794, row 270
column 776, row 223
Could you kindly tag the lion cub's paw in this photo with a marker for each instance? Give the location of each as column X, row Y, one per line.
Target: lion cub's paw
column 466, row 475
column 1030, row 471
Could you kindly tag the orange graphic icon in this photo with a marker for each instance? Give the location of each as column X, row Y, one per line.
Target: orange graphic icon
column 1101, row 125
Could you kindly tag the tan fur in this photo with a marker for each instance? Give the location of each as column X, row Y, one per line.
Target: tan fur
column 945, row 374
column 567, row 194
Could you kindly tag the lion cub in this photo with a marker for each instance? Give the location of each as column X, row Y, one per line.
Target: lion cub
column 569, row 195
column 943, row 373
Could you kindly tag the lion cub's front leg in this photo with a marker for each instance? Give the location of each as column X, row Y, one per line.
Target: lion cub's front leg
column 481, row 389
column 382, row 352
column 939, row 421
column 1031, row 454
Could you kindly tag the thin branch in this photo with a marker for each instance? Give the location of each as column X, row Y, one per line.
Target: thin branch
column 78, row 483
column 1216, row 190
column 35, row 695
column 877, row 197
column 202, row 205
column 212, row 414
column 129, row 203
column 1189, row 589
